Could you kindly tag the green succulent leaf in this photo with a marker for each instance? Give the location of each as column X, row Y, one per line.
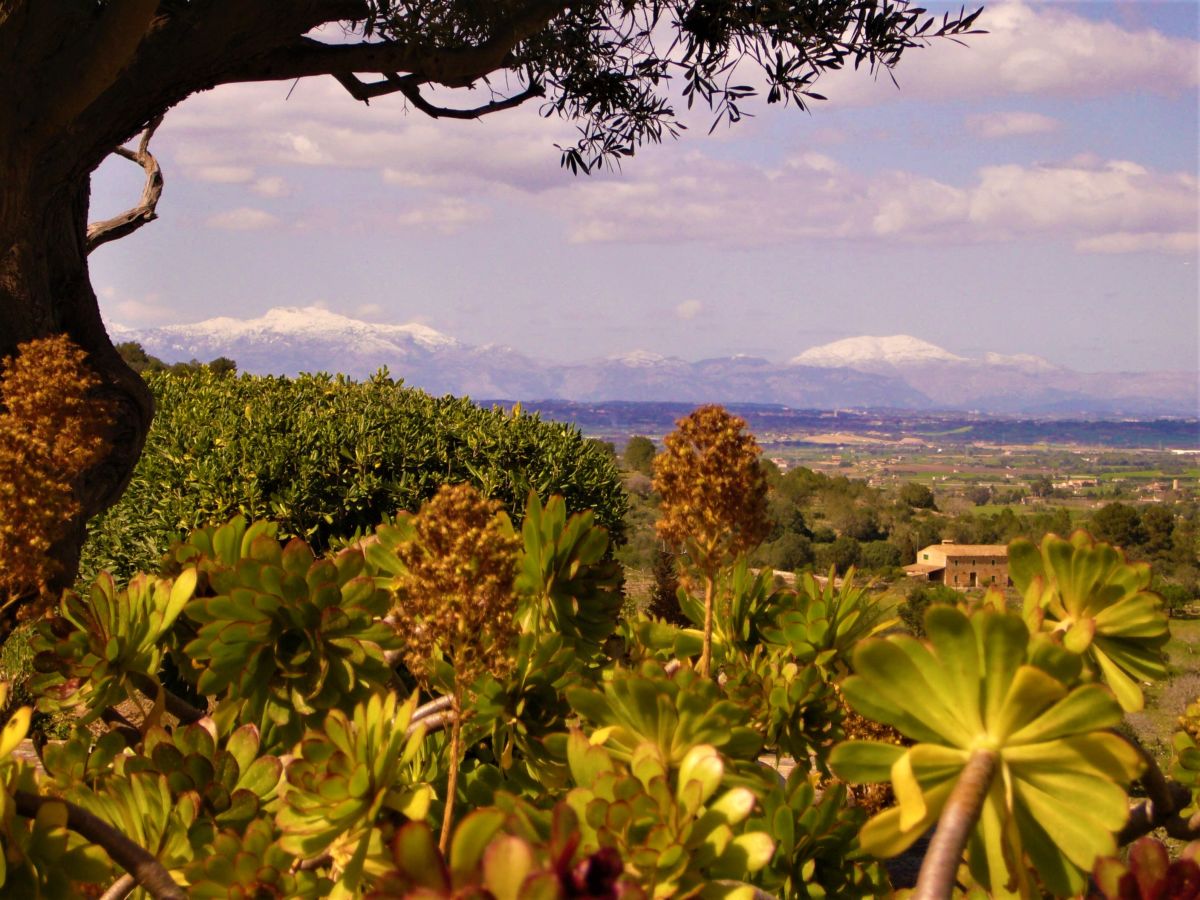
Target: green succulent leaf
column 1098, row 605
column 1058, row 795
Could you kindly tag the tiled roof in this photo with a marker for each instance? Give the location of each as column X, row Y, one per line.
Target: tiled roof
column 969, row 549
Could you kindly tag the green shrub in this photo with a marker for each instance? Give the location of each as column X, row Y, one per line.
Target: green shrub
column 789, row 553
column 327, row 457
column 920, row 598
column 880, row 555
column 1176, row 597
column 843, row 553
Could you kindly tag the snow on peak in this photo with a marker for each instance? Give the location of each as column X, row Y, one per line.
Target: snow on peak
column 311, row 322
column 639, row 359
column 1026, row 362
column 898, row 349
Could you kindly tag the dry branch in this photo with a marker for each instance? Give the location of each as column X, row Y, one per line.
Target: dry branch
column 131, row 220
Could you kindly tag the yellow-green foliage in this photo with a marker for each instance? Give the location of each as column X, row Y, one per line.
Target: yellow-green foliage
column 50, row 433
column 326, row 458
column 1085, row 594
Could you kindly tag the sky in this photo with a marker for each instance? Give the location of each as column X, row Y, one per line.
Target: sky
column 1035, row 191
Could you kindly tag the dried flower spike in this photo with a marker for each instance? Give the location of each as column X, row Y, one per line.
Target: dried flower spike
column 714, row 496
column 51, row 432
column 455, row 598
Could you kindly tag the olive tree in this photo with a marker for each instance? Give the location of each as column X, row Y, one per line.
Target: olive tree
column 80, row 79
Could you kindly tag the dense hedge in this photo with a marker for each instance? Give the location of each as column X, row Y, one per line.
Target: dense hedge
column 325, row 456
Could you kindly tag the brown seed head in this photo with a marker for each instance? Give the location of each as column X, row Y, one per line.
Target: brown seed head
column 51, row 432
column 457, row 594
column 714, row 494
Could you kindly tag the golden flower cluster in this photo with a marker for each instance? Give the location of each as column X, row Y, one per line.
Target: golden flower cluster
column 456, row 596
column 51, row 432
column 714, row 493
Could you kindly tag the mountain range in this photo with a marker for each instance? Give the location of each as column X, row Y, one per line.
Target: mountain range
column 898, row 372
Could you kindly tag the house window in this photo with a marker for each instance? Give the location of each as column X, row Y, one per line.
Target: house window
column 972, row 580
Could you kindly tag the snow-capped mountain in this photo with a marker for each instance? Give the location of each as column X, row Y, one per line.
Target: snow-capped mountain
column 1008, row 383
column 899, row 371
column 868, row 352
column 292, row 338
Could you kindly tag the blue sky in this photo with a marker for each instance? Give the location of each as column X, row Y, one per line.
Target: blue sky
column 1035, row 192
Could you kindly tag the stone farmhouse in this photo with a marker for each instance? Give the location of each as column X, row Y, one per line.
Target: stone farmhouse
column 962, row 566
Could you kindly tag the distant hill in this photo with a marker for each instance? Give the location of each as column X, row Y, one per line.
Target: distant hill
column 897, row 372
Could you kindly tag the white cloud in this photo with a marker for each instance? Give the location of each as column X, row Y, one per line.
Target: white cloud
column 446, row 215
column 251, row 125
column 688, row 309
column 1088, row 199
column 1031, row 49
column 270, row 186
column 133, row 312
column 1096, row 206
column 1010, row 124
column 221, row 174
column 244, row 218
column 1181, row 242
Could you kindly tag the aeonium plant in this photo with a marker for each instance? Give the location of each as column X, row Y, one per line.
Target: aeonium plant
column 1087, row 595
column 1013, row 757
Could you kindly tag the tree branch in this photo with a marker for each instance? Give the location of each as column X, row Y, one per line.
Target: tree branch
column 437, row 705
column 409, row 86
column 118, row 723
column 175, row 705
column 431, row 723
column 413, row 94
column 1161, row 808
column 450, row 66
column 365, row 92
column 131, row 220
column 136, row 860
column 112, row 41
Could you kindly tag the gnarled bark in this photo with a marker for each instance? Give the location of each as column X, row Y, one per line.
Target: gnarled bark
column 45, row 290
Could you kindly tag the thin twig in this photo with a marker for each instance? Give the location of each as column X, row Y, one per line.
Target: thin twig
column 134, row 859
column 121, row 888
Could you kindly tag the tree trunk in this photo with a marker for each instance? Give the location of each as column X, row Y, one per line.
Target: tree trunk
column 45, row 289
